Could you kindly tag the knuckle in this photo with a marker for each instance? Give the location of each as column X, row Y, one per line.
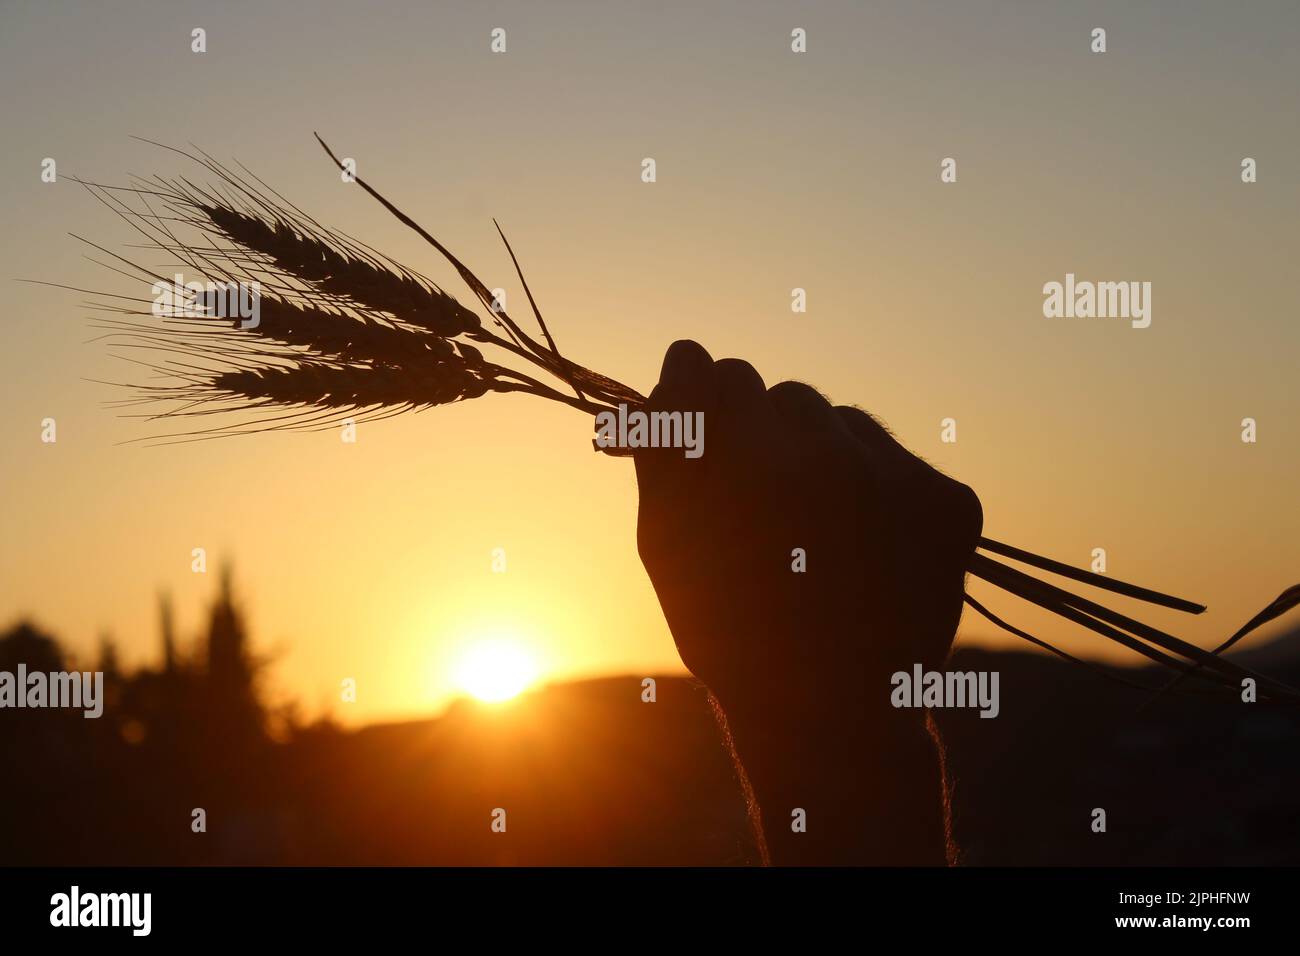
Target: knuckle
column 797, row 396
column 735, row 375
column 683, row 347
column 737, row 369
column 968, row 513
column 792, row 389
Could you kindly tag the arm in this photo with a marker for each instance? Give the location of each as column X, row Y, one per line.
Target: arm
column 799, row 661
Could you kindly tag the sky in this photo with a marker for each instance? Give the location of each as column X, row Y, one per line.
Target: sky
column 775, row 171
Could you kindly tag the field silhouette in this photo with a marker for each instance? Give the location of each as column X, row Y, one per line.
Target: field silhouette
column 589, row 774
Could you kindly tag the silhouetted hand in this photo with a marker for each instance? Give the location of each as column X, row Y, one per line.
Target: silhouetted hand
column 800, row 561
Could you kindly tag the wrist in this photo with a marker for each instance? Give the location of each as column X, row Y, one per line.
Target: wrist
column 842, row 782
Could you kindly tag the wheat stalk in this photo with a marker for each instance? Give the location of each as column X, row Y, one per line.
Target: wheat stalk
column 347, row 333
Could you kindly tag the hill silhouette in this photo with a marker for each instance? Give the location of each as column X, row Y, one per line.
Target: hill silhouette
column 588, row 773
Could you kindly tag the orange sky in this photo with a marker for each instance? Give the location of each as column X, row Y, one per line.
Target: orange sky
column 775, row 171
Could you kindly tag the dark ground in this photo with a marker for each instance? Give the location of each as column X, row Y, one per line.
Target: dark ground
column 589, row 774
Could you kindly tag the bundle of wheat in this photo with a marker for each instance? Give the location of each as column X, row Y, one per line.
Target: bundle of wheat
column 344, row 332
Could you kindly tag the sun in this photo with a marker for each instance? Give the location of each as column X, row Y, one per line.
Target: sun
column 496, row 669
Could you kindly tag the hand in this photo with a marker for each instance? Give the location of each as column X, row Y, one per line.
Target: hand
column 796, row 656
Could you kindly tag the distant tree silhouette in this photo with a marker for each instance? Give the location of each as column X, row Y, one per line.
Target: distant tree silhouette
column 167, row 622
column 231, row 672
column 25, row 644
column 109, row 661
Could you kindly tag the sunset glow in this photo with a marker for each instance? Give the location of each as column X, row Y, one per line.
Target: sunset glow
column 373, row 559
column 496, row 670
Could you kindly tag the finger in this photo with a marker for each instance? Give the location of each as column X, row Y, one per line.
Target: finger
column 686, row 366
column 803, row 407
column 885, row 450
column 740, row 387
column 867, row 429
column 743, row 416
column 967, row 515
column 686, row 384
